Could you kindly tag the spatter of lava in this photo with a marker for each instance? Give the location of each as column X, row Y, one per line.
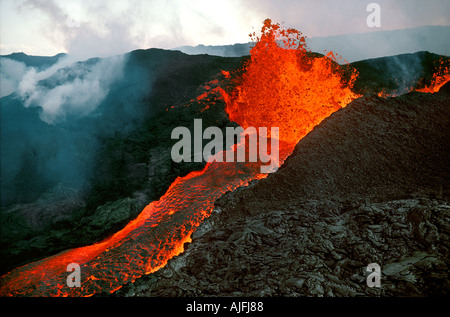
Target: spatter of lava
column 283, row 86
column 440, row 77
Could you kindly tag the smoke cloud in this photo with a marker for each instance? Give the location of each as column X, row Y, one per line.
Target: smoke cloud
column 83, row 29
column 54, row 124
column 11, row 74
column 75, row 90
column 110, row 27
column 106, row 28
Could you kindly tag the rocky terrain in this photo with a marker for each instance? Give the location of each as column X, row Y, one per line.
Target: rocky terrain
column 377, row 154
column 370, row 184
column 123, row 148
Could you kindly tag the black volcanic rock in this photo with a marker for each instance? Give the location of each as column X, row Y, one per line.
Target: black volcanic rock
column 370, row 184
column 376, row 149
column 446, row 88
column 131, row 166
column 122, row 149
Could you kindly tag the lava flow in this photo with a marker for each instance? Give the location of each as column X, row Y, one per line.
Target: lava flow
column 440, row 77
column 283, row 86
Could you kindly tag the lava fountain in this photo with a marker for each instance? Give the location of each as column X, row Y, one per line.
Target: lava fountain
column 283, row 85
column 439, row 78
column 286, row 86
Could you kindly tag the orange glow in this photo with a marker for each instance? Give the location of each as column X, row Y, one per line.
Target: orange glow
column 142, row 247
column 440, row 77
column 282, row 86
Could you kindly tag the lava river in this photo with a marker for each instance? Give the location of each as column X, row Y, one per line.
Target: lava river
column 283, row 85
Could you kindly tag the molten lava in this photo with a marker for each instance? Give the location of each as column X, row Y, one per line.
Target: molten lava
column 440, row 77
column 142, row 247
column 283, row 86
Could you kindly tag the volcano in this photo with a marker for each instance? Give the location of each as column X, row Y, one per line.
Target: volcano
column 344, row 158
column 311, row 228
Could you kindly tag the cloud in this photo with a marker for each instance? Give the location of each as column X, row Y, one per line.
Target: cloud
column 51, row 130
column 11, row 74
column 109, row 27
column 105, row 28
column 75, row 90
column 85, row 30
column 328, row 17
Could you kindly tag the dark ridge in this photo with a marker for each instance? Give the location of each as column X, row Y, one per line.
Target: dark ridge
column 370, row 184
column 374, row 149
column 39, row 62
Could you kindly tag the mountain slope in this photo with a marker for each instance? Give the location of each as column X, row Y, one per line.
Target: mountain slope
column 81, row 177
column 370, row 184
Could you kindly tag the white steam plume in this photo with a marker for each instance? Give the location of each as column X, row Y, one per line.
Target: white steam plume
column 11, row 74
column 77, row 89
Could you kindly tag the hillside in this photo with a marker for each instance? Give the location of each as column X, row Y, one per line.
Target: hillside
column 370, row 184
column 38, row 62
column 71, row 178
column 82, row 176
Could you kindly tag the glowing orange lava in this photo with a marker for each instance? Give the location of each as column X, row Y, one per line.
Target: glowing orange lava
column 440, row 77
column 283, row 86
column 142, row 247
